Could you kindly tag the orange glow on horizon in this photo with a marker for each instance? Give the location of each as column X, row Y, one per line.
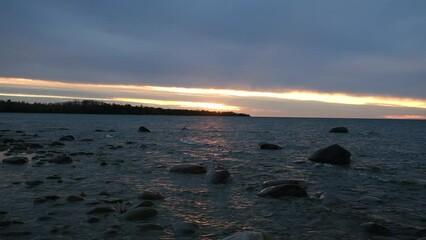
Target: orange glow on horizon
column 413, row 117
column 298, row 95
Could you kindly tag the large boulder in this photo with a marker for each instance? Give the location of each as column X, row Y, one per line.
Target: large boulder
column 284, row 190
column 143, row 129
column 15, row 160
column 339, row 130
column 334, row 154
column 269, row 146
column 188, row 168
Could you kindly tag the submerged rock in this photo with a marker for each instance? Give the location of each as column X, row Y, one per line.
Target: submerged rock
column 248, row 235
column 219, row 176
column 269, row 146
column 15, row 160
column 270, row 183
column 334, row 154
column 143, row 129
column 145, row 203
column 339, row 130
column 376, row 229
column 184, row 228
column 63, row 159
column 188, row 168
column 56, row 144
column 67, row 138
column 101, row 210
column 150, row 227
column 75, row 198
column 284, row 190
column 140, row 213
column 151, row 195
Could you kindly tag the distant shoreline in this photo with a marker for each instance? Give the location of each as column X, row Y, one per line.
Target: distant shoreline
column 102, row 108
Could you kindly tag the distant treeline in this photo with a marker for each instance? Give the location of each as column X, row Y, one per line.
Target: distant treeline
column 97, row 107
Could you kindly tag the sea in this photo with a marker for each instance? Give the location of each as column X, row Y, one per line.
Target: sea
column 113, row 163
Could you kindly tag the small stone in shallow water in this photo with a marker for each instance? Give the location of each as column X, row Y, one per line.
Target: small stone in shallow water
column 188, row 168
column 140, row 214
column 339, row 130
column 270, row 183
column 269, row 146
column 86, row 140
column 143, row 129
column 184, row 228
column 15, row 160
column 34, row 183
column 284, row 190
column 67, row 138
column 74, row 198
column 63, row 159
column 104, row 193
column 150, row 227
column 54, row 177
column 103, row 163
column 376, row 229
column 151, row 195
column 101, row 210
column 220, row 176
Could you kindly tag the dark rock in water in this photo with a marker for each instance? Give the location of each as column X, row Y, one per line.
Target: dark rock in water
column 15, row 160
column 150, row 227
column 151, row 195
column 188, row 168
column 339, row 130
column 93, row 220
column 143, row 129
column 184, row 228
column 101, row 210
column 34, row 183
column 140, row 214
column 86, row 140
column 63, row 159
column 220, row 176
column 249, row 235
column 74, row 198
column 333, row 154
column 67, row 138
column 376, row 229
column 32, row 145
column 284, row 190
column 269, row 146
column 103, row 163
column 145, row 204
column 56, row 144
column 283, row 181
column 45, row 199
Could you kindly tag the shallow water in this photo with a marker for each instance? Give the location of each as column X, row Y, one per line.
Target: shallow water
column 386, row 182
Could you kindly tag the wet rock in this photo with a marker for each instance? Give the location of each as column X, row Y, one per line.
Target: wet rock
column 184, row 228
column 376, row 229
column 103, row 163
column 145, row 204
column 33, row 183
column 32, row 145
column 140, row 214
column 104, row 193
column 143, row 129
column 93, row 220
column 86, row 140
column 219, row 176
column 63, row 159
column 101, row 210
column 53, row 177
column 151, row 195
column 333, row 154
column 45, row 199
column 51, row 197
column 269, row 146
column 15, row 234
column 15, row 160
column 67, row 138
column 248, row 235
column 146, row 227
column 270, row 183
column 285, row 190
column 339, row 130
column 188, row 168
column 75, row 198
column 81, row 154
column 113, row 200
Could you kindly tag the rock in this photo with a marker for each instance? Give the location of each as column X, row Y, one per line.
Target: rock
column 15, row 160
column 67, row 138
column 188, row 168
column 101, row 210
column 74, row 198
column 269, row 146
column 86, row 140
column 104, row 193
column 150, row 227
column 376, row 229
column 145, row 204
column 339, row 130
column 63, row 159
column 284, row 190
column 93, row 220
column 103, row 163
column 184, row 228
column 143, row 129
column 111, row 232
column 270, row 183
column 54, row 177
column 140, row 214
column 151, row 195
column 51, row 197
column 34, row 183
column 333, row 154
column 220, row 176
column 248, row 235
column 33, row 145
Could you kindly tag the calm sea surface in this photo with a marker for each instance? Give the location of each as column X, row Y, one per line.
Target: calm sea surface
column 385, row 184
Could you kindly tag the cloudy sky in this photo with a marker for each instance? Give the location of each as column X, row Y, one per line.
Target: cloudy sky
column 329, row 58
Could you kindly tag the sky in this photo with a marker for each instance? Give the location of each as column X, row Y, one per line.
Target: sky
column 331, row 58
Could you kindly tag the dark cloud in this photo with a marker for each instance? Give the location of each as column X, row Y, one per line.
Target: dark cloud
column 374, row 47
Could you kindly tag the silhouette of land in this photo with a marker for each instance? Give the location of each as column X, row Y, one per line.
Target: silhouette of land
column 98, row 107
